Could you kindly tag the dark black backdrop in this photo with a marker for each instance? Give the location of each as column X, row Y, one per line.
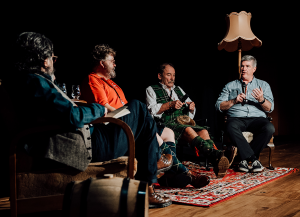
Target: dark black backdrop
column 148, row 34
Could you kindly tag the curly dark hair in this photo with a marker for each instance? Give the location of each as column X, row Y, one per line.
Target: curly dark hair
column 101, row 51
column 31, row 50
column 163, row 66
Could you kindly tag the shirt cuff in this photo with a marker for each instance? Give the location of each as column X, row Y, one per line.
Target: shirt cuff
column 154, row 109
column 192, row 114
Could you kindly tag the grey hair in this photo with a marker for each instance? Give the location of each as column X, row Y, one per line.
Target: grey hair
column 250, row 58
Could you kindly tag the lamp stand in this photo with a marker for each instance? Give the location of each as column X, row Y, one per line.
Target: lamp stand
column 240, row 56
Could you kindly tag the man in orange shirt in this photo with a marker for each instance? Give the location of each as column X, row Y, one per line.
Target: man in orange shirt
column 98, row 87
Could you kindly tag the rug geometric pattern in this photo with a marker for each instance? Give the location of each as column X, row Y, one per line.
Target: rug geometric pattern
column 218, row 190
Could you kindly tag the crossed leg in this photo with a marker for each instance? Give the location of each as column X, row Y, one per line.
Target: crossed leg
column 167, row 144
column 166, row 136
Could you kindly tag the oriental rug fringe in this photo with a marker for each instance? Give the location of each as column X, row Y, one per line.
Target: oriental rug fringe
column 219, row 190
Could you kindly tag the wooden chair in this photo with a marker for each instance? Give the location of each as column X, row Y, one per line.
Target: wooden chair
column 249, row 137
column 42, row 190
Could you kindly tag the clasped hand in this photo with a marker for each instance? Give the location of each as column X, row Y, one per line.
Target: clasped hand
column 178, row 104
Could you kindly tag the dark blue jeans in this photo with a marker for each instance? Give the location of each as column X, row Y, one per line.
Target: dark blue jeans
column 262, row 131
column 110, row 141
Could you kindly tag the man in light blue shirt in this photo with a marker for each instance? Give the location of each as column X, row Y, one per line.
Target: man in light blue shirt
column 245, row 102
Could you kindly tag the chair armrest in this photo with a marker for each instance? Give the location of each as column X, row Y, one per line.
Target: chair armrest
column 48, row 128
column 270, row 118
column 225, row 118
column 130, row 139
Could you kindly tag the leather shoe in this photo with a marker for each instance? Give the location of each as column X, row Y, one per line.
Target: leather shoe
column 164, row 163
column 156, row 201
column 182, row 180
column 221, row 167
column 199, row 181
column 220, row 163
column 175, row 180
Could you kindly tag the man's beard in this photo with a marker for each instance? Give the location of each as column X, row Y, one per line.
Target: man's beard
column 112, row 73
column 50, row 71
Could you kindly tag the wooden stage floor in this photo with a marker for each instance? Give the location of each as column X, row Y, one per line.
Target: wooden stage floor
column 278, row 198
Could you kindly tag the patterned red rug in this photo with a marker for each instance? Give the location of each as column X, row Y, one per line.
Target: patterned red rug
column 231, row 185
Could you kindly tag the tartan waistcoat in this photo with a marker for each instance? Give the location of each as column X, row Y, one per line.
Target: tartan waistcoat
column 163, row 97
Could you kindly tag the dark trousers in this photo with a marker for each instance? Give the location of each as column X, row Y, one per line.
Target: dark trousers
column 110, row 141
column 262, row 131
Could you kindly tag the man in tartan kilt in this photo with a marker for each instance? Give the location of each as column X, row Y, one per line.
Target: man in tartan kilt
column 164, row 102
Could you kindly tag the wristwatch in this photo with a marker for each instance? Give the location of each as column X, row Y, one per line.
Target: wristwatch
column 262, row 102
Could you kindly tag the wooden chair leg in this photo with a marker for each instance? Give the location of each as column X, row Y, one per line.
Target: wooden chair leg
column 271, row 151
column 206, row 164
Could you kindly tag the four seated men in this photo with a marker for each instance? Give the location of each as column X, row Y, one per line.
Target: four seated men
column 155, row 143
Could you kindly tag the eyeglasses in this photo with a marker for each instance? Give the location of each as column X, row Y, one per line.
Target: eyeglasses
column 54, row 58
column 113, row 61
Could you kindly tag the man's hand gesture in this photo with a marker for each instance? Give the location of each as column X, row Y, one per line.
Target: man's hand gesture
column 191, row 106
column 258, row 94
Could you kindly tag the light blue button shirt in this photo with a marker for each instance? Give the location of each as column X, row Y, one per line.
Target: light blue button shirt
column 252, row 108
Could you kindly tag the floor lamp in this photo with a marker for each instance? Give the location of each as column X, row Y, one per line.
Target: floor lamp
column 239, row 35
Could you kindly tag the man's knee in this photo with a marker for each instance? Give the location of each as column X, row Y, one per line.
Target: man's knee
column 139, row 107
column 168, row 135
column 232, row 127
column 269, row 128
column 189, row 130
column 203, row 133
column 169, row 132
column 134, row 102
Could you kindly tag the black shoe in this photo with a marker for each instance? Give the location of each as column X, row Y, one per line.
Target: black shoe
column 199, row 181
column 257, row 167
column 175, row 180
column 243, row 166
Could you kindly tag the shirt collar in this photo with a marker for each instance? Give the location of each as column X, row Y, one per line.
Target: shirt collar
column 241, row 80
column 97, row 76
column 42, row 74
column 165, row 87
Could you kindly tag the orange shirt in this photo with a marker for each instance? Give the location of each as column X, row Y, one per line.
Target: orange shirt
column 96, row 89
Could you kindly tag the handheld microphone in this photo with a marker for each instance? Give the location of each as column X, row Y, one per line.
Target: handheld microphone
column 244, row 87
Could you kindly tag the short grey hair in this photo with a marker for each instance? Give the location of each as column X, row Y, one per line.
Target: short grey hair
column 250, row 58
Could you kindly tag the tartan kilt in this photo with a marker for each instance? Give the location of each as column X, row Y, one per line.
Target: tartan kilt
column 179, row 128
